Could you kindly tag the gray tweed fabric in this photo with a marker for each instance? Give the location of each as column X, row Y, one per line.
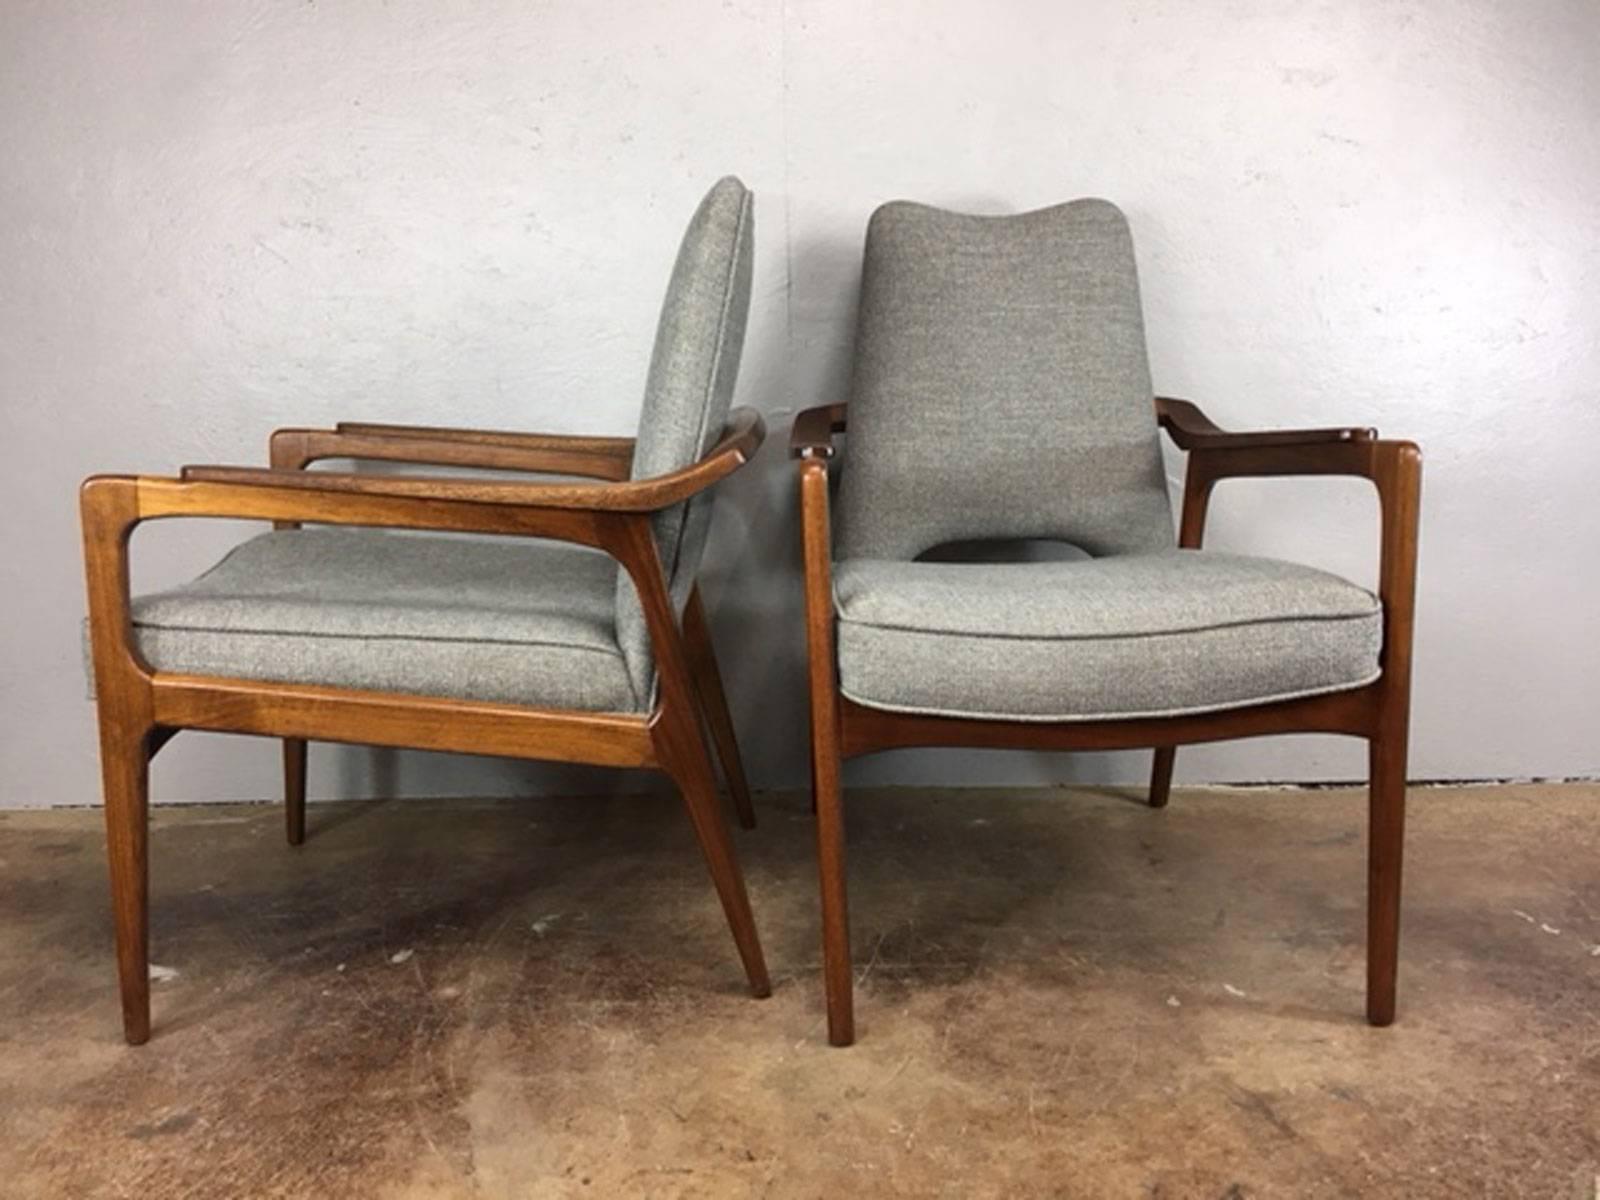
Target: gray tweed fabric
column 1001, row 387
column 1125, row 636
column 689, row 391
column 518, row 621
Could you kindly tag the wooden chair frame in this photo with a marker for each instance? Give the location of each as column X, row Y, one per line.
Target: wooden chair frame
column 1378, row 712
column 140, row 709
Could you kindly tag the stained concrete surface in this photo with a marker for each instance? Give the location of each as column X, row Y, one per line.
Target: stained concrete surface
column 1062, row 994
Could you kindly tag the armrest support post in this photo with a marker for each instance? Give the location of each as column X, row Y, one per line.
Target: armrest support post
column 812, row 435
column 1196, row 502
column 109, row 510
column 1397, row 473
column 817, row 550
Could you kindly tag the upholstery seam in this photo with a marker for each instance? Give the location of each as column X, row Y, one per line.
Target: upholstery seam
column 1111, row 637
column 370, row 637
column 1081, row 718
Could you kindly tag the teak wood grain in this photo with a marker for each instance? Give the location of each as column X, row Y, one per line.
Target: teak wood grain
column 1378, row 712
column 297, row 448
column 618, row 448
column 140, row 709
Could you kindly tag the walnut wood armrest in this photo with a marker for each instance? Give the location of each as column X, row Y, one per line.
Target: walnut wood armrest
column 812, row 435
column 1394, row 467
column 295, row 449
column 1395, row 470
column 1191, row 429
column 614, row 447
column 741, row 436
column 147, row 497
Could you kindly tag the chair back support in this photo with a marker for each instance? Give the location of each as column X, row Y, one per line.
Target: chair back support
column 1001, row 386
column 688, row 393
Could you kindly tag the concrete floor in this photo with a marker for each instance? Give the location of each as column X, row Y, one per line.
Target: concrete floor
column 1063, row 994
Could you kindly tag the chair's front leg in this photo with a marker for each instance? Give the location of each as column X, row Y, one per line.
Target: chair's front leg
column 128, row 738
column 826, row 792
column 683, row 755
column 1397, row 473
column 125, row 773
column 1386, row 827
column 679, row 742
column 838, row 983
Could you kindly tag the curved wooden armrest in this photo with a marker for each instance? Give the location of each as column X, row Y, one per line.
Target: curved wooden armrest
column 612, row 447
column 1191, row 429
column 294, row 449
column 812, row 435
column 741, row 436
column 124, row 501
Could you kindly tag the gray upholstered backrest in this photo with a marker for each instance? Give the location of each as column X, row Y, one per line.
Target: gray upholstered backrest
column 688, row 393
column 1001, row 386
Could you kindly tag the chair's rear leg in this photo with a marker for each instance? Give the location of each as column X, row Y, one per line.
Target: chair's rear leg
column 125, row 774
column 714, row 703
column 690, row 768
column 1386, row 824
column 294, row 789
column 1161, row 775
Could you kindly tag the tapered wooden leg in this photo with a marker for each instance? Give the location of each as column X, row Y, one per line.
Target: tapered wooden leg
column 714, row 703
column 827, row 799
column 690, row 768
column 1385, row 845
column 838, row 984
column 1161, row 775
column 125, row 773
column 294, row 789
column 680, row 746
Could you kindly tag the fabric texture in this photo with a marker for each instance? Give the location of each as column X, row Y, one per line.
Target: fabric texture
column 513, row 620
column 1001, row 387
column 688, row 393
column 1183, row 631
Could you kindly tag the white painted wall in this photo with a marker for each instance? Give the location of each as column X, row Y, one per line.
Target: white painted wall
column 224, row 215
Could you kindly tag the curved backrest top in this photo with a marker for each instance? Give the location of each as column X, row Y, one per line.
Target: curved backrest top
column 689, row 391
column 1001, row 386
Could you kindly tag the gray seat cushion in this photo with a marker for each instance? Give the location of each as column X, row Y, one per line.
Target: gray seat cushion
column 1183, row 631
column 523, row 622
